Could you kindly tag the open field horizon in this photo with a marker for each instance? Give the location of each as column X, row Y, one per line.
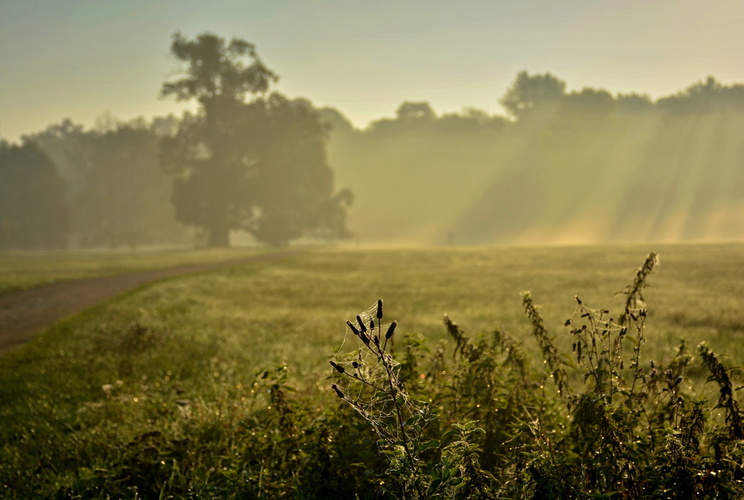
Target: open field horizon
column 23, row 269
column 553, row 273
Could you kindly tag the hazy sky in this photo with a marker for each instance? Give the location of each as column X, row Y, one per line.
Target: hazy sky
column 81, row 58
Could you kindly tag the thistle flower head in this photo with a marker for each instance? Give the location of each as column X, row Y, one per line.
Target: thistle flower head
column 391, row 330
column 362, row 326
column 338, row 391
column 353, row 328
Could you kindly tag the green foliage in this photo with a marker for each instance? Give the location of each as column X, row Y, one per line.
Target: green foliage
column 179, row 390
column 255, row 164
column 123, row 200
column 533, row 93
column 216, row 70
column 116, row 194
column 632, row 433
column 293, row 185
column 33, row 207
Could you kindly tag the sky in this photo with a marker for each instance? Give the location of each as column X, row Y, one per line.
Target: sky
column 81, row 59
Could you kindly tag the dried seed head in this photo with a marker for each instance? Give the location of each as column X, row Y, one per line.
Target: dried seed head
column 391, row 330
column 339, row 393
column 353, row 328
column 362, row 326
column 371, row 324
column 379, row 308
column 338, row 368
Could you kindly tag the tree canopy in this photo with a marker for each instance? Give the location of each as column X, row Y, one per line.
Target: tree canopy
column 246, row 160
column 124, row 198
column 33, row 209
column 116, row 193
column 216, row 70
column 532, row 91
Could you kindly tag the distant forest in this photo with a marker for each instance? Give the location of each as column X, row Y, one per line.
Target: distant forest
column 578, row 166
column 584, row 166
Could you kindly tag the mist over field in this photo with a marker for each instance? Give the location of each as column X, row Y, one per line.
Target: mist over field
column 254, row 166
column 569, row 167
column 562, row 167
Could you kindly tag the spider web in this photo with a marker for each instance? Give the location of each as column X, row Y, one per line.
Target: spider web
column 368, row 384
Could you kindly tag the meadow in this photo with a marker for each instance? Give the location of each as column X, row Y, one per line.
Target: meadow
column 218, row 385
column 20, row 270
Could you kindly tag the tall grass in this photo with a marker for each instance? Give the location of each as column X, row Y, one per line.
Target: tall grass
column 618, row 426
column 218, row 386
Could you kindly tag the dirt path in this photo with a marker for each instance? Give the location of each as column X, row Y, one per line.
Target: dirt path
column 26, row 312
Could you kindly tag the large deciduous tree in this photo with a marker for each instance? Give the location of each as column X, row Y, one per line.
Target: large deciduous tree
column 292, row 183
column 245, row 160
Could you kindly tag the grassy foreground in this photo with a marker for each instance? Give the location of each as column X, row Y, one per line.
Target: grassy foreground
column 218, row 385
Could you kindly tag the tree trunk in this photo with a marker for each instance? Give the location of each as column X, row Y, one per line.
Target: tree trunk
column 219, row 237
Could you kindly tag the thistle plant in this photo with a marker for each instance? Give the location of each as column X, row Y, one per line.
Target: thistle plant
column 374, row 389
column 371, row 381
column 726, row 440
column 720, row 375
column 634, row 431
column 549, row 351
column 483, row 425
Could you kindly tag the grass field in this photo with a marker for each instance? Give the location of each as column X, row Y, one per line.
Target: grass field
column 156, row 393
column 21, row 270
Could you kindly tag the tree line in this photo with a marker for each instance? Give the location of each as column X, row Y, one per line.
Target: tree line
column 585, row 162
column 561, row 165
column 248, row 159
